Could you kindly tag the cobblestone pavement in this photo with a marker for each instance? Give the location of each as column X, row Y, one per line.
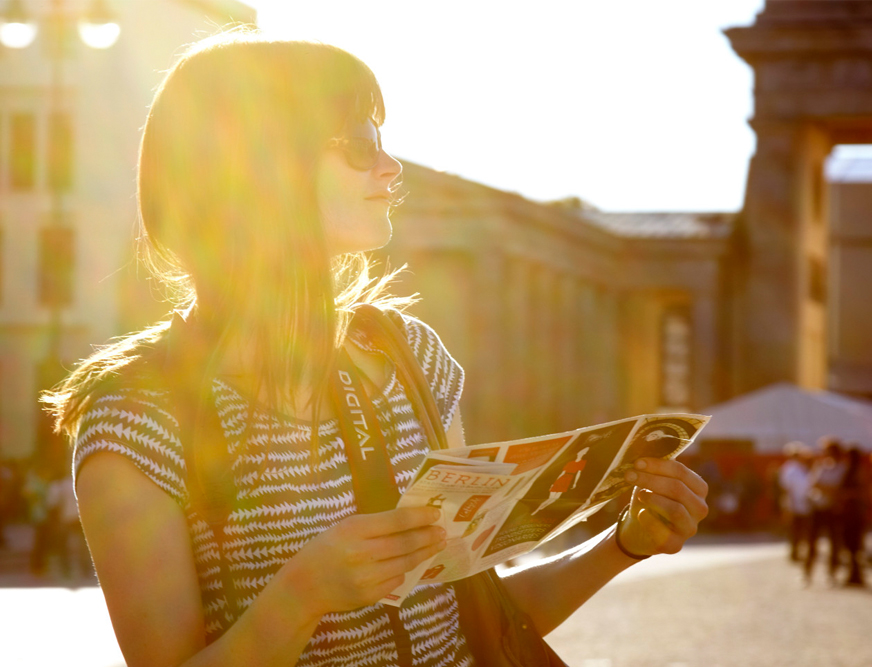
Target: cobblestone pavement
column 719, row 603
column 720, row 606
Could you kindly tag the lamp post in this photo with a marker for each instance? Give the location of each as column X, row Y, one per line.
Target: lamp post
column 97, row 28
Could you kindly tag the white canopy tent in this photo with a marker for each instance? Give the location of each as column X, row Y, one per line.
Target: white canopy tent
column 777, row 414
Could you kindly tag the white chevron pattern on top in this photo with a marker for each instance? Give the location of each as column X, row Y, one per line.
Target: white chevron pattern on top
column 290, row 501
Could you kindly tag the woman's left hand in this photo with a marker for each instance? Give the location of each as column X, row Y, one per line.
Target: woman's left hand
column 667, row 505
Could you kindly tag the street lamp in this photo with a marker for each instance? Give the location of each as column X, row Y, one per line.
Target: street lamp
column 97, row 27
column 17, row 31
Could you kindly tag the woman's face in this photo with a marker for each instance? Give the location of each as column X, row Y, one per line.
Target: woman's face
column 354, row 202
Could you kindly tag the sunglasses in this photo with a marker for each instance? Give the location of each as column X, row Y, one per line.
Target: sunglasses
column 361, row 150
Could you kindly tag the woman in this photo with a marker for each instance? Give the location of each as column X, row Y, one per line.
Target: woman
column 261, row 173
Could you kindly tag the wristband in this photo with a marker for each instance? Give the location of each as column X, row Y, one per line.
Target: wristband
column 621, row 517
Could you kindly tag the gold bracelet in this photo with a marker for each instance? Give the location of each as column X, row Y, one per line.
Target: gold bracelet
column 621, row 517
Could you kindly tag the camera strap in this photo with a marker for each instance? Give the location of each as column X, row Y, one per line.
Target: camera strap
column 372, row 476
column 365, row 447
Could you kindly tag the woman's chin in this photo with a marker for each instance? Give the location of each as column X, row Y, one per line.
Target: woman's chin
column 363, row 244
column 379, row 238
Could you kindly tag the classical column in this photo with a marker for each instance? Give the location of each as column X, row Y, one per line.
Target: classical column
column 516, row 321
column 705, row 349
column 544, row 350
column 768, row 308
column 588, row 378
column 568, row 353
column 490, row 354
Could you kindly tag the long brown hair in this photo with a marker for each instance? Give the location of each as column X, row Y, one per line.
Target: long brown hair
column 230, row 223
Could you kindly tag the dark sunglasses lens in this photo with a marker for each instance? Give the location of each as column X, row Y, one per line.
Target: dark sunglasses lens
column 361, row 153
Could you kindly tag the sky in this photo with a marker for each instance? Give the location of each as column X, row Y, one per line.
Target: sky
column 631, row 105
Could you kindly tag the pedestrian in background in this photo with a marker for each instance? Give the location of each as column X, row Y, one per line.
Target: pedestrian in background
column 66, row 540
column 827, row 475
column 853, row 501
column 7, row 479
column 35, row 493
column 794, row 480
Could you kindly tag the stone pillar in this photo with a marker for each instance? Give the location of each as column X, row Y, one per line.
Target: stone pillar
column 605, row 330
column 569, row 346
column 781, row 304
column 705, row 350
column 489, row 345
column 769, row 305
column 518, row 321
column 545, row 394
column 589, row 357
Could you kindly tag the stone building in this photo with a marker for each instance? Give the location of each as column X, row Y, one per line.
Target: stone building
column 563, row 315
column 69, row 133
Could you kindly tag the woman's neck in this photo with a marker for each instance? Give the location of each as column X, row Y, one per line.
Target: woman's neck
column 240, row 365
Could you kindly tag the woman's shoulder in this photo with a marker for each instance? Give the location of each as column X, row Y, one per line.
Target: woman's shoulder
column 133, row 390
column 131, row 415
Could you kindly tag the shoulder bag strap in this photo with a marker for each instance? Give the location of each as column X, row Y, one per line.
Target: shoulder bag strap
column 388, row 331
column 499, row 634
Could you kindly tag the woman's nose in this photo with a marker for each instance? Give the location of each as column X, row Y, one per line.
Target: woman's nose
column 388, row 167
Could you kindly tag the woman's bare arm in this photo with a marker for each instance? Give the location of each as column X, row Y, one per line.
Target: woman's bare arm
column 139, row 540
column 142, row 553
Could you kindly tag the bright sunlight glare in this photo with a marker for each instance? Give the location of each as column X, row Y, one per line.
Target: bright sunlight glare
column 631, row 105
column 17, row 35
column 99, row 35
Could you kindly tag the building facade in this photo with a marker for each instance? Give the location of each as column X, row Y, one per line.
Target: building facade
column 69, row 132
column 563, row 315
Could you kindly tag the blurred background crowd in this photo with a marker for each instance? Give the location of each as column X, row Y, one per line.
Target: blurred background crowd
column 40, row 533
column 826, row 493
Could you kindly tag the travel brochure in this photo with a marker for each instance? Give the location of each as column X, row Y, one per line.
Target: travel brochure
column 501, row 500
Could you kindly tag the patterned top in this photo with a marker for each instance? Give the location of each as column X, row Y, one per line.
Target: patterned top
column 285, row 497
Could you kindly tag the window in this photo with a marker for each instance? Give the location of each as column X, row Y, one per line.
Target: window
column 817, row 280
column 675, row 358
column 23, row 146
column 60, row 152
column 56, row 256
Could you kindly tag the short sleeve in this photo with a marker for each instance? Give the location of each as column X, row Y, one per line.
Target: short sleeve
column 443, row 373
column 136, row 424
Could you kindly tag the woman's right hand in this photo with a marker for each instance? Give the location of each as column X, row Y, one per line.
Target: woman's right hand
column 364, row 557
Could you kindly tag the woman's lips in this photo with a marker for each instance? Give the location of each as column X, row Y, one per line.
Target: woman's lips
column 381, row 198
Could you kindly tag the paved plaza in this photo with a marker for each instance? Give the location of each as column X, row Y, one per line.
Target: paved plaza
column 719, row 603
column 720, row 606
